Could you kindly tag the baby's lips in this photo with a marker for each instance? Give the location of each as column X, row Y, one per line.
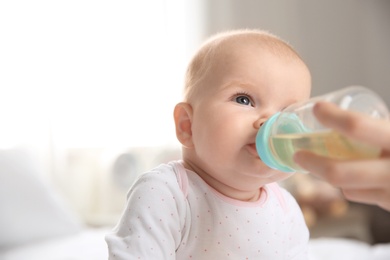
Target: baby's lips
column 253, row 149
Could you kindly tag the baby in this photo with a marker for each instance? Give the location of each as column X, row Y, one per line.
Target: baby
column 221, row 201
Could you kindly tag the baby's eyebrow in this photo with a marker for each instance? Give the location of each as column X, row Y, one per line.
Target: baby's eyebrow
column 238, row 83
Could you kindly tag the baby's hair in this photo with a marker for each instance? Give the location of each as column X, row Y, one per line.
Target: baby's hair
column 203, row 59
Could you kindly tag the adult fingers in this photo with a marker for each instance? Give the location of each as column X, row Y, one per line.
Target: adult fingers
column 355, row 125
column 380, row 197
column 352, row 174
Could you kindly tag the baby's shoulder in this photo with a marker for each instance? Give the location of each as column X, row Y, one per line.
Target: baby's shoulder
column 163, row 178
column 283, row 196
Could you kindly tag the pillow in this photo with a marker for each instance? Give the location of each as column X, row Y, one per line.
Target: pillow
column 30, row 209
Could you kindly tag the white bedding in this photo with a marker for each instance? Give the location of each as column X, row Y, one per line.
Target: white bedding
column 90, row 245
column 336, row 248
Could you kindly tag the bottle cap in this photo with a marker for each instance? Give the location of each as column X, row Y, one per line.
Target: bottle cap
column 263, row 146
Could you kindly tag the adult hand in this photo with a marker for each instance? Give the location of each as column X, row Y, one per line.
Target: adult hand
column 365, row 181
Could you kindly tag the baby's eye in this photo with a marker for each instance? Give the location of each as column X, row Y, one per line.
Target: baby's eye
column 244, row 100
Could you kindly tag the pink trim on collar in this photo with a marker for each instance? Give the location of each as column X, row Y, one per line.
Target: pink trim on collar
column 182, row 178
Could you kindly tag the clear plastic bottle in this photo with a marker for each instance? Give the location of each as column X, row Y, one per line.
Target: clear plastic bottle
column 296, row 128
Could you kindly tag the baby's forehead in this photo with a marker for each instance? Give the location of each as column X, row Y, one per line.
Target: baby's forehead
column 259, row 43
column 225, row 49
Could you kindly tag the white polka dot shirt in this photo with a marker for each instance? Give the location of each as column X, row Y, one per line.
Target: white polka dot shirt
column 171, row 213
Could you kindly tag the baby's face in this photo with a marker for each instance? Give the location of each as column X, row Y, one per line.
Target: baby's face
column 243, row 88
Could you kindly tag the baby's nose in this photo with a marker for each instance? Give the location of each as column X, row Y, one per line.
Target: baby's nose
column 259, row 122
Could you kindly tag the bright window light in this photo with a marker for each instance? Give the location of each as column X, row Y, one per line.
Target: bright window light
column 91, row 73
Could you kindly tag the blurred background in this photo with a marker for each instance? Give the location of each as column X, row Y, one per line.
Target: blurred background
column 87, row 89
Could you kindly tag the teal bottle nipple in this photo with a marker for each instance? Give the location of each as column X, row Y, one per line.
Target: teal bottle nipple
column 290, row 124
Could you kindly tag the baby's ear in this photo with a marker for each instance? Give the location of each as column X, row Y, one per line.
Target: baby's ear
column 183, row 121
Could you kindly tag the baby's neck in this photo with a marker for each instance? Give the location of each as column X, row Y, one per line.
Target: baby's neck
column 226, row 190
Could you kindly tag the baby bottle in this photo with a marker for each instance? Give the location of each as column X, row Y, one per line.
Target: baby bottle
column 296, row 128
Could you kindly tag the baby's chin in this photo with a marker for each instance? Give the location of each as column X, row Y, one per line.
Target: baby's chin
column 280, row 176
column 259, row 169
column 262, row 169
